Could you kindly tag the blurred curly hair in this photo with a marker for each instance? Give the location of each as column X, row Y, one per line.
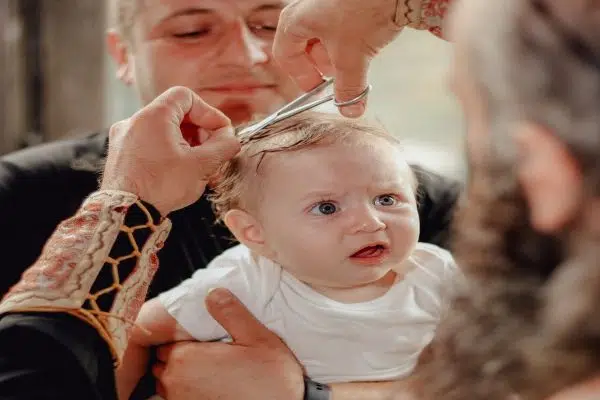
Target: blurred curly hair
column 529, row 321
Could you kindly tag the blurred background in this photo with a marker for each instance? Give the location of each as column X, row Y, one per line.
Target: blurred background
column 57, row 80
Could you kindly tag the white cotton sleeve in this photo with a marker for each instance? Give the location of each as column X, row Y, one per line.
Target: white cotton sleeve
column 443, row 278
column 454, row 280
column 253, row 280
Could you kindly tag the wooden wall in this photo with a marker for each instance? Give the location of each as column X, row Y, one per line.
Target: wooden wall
column 12, row 81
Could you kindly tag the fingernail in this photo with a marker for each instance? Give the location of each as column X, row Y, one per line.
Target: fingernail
column 353, row 111
column 203, row 135
column 227, row 130
column 219, row 296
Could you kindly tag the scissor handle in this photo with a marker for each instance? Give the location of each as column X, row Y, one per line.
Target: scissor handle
column 294, row 107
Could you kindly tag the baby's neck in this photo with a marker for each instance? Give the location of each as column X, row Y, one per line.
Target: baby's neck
column 359, row 294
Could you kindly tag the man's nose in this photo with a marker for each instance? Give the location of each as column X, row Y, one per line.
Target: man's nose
column 366, row 220
column 245, row 48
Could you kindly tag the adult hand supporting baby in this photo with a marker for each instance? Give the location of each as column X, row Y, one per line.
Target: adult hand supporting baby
column 588, row 390
column 148, row 155
column 258, row 365
column 337, row 38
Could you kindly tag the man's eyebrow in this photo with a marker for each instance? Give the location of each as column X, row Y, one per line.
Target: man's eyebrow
column 187, row 11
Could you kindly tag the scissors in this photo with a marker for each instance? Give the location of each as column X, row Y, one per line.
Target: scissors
column 295, row 107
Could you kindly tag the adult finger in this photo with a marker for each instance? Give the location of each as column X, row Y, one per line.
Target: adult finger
column 234, row 317
column 200, row 120
column 205, row 116
column 588, row 390
column 290, row 49
column 318, row 53
column 163, row 352
column 351, row 70
column 218, row 147
column 158, row 371
column 174, row 103
column 160, row 389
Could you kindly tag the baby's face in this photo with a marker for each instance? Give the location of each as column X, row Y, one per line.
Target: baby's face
column 339, row 215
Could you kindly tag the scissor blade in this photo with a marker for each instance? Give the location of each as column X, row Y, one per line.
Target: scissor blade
column 252, row 129
column 303, row 108
column 288, row 110
column 302, row 98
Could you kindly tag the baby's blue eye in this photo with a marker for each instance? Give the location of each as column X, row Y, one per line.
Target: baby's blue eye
column 325, row 208
column 386, row 200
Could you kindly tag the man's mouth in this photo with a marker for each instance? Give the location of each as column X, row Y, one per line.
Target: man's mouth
column 242, row 88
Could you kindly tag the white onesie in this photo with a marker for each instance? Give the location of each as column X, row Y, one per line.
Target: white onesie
column 379, row 339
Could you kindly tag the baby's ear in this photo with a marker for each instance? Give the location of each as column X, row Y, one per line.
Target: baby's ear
column 247, row 230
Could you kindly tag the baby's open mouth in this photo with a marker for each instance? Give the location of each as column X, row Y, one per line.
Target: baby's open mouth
column 371, row 251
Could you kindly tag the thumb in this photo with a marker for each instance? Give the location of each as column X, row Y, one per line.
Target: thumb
column 234, row 317
column 291, row 47
column 219, row 147
column 351, row 70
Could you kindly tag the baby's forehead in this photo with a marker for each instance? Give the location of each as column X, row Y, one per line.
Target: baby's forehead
column 336, row 161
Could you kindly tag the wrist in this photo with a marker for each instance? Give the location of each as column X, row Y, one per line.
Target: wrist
column 315, row 390
column 423, row 14
column 126, row 185
column 409, row 13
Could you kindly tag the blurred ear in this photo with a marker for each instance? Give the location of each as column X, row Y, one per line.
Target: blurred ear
column 248, row 231
column 550, row 176
column 119, row 51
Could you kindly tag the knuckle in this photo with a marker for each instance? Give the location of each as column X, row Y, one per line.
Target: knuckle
column 152, row 115
column 266, row 341
column 163, row 108
column 114, row 130
column 136, row 123
column 118, row 130
column 287, row 13
column 176, row 94
column 167, row 378
column 178, row 356
column 180, row 90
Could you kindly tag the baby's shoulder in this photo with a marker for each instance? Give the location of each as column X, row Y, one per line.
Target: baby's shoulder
column 239, row 262
column 236, row 255
column 433, row 260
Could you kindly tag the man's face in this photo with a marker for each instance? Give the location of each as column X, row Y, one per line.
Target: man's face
column 219, row 48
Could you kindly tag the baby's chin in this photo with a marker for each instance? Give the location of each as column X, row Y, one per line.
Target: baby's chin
column 349, row 278
column 360, row 289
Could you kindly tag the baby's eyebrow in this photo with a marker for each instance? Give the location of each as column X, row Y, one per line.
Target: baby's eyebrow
column 324, row 194
column 395, row 184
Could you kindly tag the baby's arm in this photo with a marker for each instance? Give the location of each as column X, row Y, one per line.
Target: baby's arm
column 154, row 326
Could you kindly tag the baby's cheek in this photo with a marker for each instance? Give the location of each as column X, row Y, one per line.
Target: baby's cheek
column 415, row 221
column 408, row 227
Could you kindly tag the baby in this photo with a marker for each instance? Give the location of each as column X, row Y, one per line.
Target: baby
column 325, row 212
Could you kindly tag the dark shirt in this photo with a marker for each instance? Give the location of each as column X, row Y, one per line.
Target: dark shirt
column 53, row 356
column 58, row 356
